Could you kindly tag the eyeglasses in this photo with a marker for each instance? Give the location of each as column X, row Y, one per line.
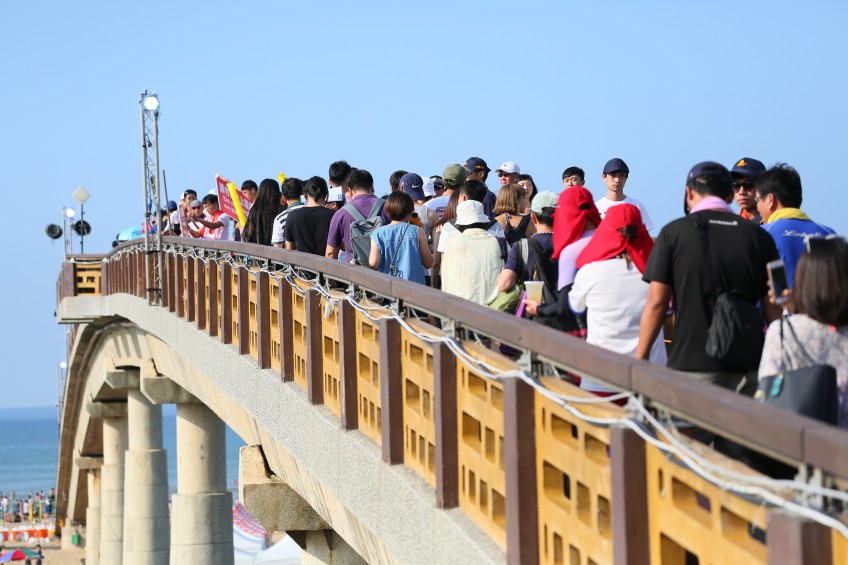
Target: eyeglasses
column 813, row 241
column 503, row 174
column 195, row 207
column 747, row 185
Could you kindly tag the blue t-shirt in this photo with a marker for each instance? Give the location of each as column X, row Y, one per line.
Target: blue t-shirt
column 408, row 259
column 789, row 235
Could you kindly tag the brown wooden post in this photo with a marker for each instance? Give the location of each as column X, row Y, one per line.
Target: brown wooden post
column 68, row 282
column 191, row 290
column 104, row 278
column 447, row 454
column 243, row 297
column 314, row 348
column 796, row 540
column 181, row 286
column 226, row 303
column 172, row 282
column 140, row 274
column 131, row 273
column 522, row 512
column 630, row 537
column 200, row 278
column 126, row 266
column 214, row 278
column 286, row 328
column 263, row 320
column 391, row 391
column 347, row 366
column 166, row 279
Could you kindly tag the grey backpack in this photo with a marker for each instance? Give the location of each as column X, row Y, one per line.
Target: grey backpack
column 361, row 230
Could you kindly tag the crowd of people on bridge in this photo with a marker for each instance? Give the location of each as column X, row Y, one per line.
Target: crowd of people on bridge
column 596, row 268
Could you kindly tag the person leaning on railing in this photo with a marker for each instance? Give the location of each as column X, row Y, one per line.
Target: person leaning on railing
column 818, row 332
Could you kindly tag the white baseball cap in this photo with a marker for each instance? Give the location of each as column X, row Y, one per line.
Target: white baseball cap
column 508, row 167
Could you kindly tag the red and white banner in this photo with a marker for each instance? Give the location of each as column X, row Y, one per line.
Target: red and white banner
column 231, row 200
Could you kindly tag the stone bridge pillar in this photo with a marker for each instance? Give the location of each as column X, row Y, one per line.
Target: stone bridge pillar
column 91, row 466
column 114, row 416
column 202, row 509
column 146, row 518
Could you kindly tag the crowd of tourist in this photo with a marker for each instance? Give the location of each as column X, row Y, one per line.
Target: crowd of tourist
column 587, row 266
column 32, row 506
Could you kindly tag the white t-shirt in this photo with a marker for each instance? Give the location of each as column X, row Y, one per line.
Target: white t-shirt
column 614, row 294
column 603, row 205
column 449, row 231
column 222, row 233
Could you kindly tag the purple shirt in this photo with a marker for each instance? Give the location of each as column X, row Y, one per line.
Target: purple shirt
column 339, row 235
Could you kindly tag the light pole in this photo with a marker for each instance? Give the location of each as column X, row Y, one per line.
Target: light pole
column 67, row 223
column 149, row 105
column 60, row 386
column 81, row 195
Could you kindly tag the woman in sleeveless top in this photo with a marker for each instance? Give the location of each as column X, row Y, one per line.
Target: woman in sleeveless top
column 513, row 216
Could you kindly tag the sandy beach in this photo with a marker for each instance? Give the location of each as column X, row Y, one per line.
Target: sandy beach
column 53, row 553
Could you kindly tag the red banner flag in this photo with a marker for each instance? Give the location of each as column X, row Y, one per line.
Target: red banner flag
column 226, row 202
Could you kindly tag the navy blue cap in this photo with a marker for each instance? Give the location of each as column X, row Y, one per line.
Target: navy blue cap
column 413, row 185
column 476, row 164
column 747, row 167
column 616, row 165
column 172, row 206
column 707, row 168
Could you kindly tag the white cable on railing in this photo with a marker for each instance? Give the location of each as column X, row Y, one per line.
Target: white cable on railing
column 725, row 479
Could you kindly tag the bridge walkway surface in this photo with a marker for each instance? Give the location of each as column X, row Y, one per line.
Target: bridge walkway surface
column 383, row 427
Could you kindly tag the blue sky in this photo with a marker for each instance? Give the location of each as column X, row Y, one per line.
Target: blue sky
column 255, row 88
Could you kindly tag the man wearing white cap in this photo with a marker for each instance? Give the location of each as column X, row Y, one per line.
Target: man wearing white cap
column 472, row 260
column 508, row 172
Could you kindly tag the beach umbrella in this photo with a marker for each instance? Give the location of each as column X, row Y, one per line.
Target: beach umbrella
column 18, row 555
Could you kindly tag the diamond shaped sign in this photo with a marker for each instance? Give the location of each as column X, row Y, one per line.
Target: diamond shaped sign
column 80, row 194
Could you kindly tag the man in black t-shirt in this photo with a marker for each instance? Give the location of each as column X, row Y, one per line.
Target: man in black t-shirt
column 307, row 226
column 678, row 268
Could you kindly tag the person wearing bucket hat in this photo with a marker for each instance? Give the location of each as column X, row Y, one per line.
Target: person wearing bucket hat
column 609, row 284
column 472, row 260
column 615, row 175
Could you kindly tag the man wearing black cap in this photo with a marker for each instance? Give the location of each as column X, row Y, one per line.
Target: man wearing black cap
column 479, row 170
column 744, row 171
column 689, row 256
column 615, row 177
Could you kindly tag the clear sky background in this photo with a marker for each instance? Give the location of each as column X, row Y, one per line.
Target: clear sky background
column 251, row 89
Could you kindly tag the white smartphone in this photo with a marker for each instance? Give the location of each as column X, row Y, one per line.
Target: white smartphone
column 778, row 280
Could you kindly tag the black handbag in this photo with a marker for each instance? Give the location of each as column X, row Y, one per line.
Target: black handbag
column 735, row 337
column 809, row 391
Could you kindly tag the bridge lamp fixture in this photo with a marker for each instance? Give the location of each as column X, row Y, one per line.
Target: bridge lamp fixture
column 150, row 102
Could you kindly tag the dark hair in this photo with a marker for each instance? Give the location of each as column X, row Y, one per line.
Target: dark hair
column 450, row 209
column 784, row 182
column 820, row 275
column 249, row 185
column 718, row 183
column 360, row 180
column 210, row 199
column 571, row 171
column 292, row 188
column 316, row 188
column 189, row 191
column 394, row 180
column 628, row 232
column 546, row 216
column 474, row 190
column 399, row 205
column 532, row 183
column 260, row 220
column 339, row 172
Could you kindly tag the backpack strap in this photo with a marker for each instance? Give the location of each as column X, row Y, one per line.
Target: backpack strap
column 351, row 209
column 376, row 208
column 538, row 250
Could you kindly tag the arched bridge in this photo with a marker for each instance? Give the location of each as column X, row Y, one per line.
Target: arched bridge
column 383, row 426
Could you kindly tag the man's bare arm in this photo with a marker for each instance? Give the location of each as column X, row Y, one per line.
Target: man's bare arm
column 653, row 316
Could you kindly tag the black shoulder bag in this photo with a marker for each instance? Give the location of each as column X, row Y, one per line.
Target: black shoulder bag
column 735, row 337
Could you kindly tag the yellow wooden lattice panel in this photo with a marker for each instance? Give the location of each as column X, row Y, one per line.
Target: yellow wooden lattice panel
column 840, row 548
column 419, row 439
column 480, row 429
column 252, row 320
column 574, row 486
column 233, row 298
column 88, row 279
column 330, row 351
column 220, row 300
column 368, row 376
column 687, row 514
column 299, row 331
column 184, row 297
column 276, row 359
column 208, row 299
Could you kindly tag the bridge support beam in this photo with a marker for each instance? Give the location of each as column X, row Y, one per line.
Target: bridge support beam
column 114, row 416
column 92, row 520
column 202, row 509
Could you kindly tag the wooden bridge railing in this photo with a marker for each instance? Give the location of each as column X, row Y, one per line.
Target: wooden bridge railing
column 547, row 485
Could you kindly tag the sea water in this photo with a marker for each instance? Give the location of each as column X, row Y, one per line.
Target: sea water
column 29, row 449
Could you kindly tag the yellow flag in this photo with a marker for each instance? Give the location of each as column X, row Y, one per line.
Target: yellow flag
column 236, row 202
column 282, row 177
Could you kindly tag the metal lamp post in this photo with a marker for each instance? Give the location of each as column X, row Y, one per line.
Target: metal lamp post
column 81, row 195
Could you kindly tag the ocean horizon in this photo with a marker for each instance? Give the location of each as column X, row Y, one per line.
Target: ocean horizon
column 31, row 449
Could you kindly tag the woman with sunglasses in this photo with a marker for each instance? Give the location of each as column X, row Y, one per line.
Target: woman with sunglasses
column 818, row 332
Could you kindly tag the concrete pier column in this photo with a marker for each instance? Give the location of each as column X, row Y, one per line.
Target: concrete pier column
column 146, row 518
column 114, row 417
column 92, row 520
column 201, row 511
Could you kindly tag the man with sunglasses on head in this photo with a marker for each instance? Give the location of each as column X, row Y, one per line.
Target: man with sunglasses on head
column 778, row 200
column 744, row 171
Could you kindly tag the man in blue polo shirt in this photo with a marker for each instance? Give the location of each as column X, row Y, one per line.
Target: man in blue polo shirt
column 779, row 198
